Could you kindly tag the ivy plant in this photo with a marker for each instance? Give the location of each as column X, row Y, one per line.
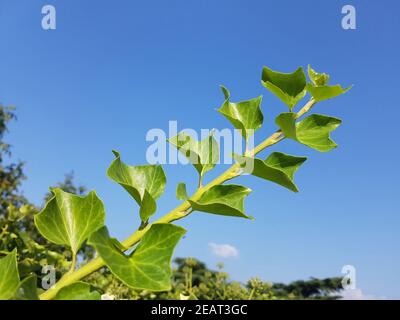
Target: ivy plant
column 142, row 261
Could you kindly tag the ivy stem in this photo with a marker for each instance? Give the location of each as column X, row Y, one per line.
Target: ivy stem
column 200, row 181
column 179, row 212
column 73, row 263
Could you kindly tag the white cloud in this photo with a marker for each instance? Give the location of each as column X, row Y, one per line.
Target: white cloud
column 357, row 294
column 224, row 250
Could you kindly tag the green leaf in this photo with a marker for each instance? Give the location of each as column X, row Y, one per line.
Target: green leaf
column 9, row 277
column 68, row 219
column 78, row 291
column 27, row 289
column 278, row 167
column 148, row 267
column 227, row 200
column 289, row 87
column 326, row 92
column 118, row 244
column 204, row 154
column 287, row 122
column 181, row 193
column 314, row 131
column 144, row 183
column 318, row 79
column 319, row 89
column 245, row 115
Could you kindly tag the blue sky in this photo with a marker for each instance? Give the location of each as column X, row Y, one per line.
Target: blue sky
column 115, row 69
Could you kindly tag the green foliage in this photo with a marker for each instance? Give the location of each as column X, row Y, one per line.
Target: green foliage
column 202, row 154
column 11, row 174
column 148, row 267
column 17, row 228
column 227, row 200
column 181, row 193
column 9, row 278
column 289, row 87
column 314, row 131
column 27, row 289
column 192, row 279
column 278, row 167
column 144, row 183
column 69, row 223
column 69, row 220
column 78, row 291
column 319, row 89
column 326, row 92
column 245, row 115
column 321, row 289
column 318, row 79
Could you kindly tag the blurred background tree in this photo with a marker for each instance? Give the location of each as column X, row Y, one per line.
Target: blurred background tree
column 17, row 228
column 11, row 175
column 192, row 279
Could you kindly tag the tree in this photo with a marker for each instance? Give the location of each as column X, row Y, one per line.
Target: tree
column 327, row 289
column 11, row 175
column 192, row 279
